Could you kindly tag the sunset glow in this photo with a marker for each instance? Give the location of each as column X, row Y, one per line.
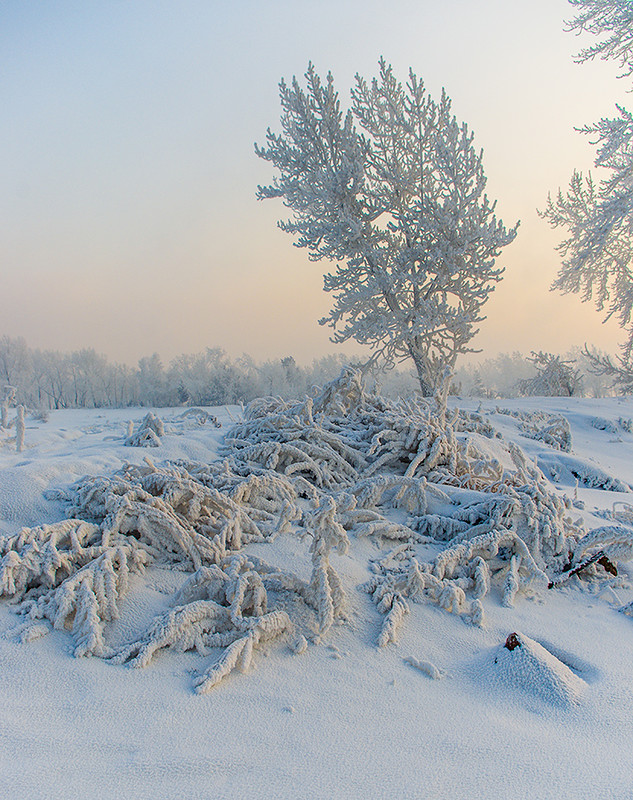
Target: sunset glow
column 129, row 221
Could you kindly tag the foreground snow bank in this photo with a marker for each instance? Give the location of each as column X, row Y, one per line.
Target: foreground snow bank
column 270, row 544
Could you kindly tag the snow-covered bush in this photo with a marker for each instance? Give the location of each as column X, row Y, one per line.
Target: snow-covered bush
column 602, row 424
column 553, row 429
column 573, row 469
column 329, row 469
column 148, row 434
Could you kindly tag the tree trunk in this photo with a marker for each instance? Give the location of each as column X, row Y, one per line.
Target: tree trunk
column 426, row 386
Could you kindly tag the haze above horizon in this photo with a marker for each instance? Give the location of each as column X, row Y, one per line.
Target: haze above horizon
column 128, row 219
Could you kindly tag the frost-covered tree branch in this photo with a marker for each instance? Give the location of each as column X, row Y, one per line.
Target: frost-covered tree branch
column 618, row 370
column 392, row 190
column 611, row 19
column 597, row 252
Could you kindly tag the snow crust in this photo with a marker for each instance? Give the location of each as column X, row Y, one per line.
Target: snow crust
column 343, row 719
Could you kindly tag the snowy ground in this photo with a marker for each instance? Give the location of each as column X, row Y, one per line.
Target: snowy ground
column 344, row 719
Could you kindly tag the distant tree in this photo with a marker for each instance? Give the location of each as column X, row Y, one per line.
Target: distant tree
column 554, row 377
column 92, row 380
column 595, row 381
column 125, row 389
column 495, row 377
column 211, row 378
column 153, row 384
column 53, row 377
column 393, row 190
column 477, row 389
column 597, row 255
column 15, row 365
column 618, row 371
column 290, row 367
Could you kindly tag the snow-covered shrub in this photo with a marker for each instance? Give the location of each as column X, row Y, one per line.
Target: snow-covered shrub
column 602, row 424
column 572, row 468
column 224, row 607
column 552, row 429
column 200, row 417
column 330, row 469
column 148, row 434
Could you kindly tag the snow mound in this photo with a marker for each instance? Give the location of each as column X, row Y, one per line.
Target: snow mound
column 523, row 664
column 427, row 667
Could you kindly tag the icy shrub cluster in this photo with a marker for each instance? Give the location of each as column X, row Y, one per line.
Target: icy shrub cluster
column 5, row 423
column 552, row 429
column 148, row 434
column 607, row 425
column 151, row 429
column 329, row 469
column 571, row 468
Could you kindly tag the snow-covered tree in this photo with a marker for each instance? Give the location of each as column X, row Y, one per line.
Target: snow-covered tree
column 554, row 377
column 153, row 385
column 611, row 19
column 597, row 255
column 15, row 365
column 618, row 370
column 392, row 190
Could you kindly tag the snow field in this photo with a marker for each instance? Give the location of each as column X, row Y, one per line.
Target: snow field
column 343, row 719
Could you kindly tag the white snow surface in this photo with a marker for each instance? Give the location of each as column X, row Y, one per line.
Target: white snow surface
column 550, row 719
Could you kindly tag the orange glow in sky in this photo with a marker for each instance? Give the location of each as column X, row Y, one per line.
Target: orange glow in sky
column 129, row 222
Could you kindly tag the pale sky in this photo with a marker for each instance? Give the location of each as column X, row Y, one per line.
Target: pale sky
column 128, row 218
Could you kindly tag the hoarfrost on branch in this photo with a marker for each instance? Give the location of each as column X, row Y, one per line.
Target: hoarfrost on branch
column 393, row 190
column 598, row 217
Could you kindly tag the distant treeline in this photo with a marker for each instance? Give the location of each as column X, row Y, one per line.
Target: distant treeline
column 84, row 379
column 48, row 379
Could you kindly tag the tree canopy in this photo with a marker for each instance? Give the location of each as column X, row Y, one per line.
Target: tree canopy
column 597, row 254
column 393, row 190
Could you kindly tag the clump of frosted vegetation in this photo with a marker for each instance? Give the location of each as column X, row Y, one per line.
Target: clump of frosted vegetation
column 148, row 434
column 329, row 469
column 552, row 429
column 8, row 399
column 586, row 474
